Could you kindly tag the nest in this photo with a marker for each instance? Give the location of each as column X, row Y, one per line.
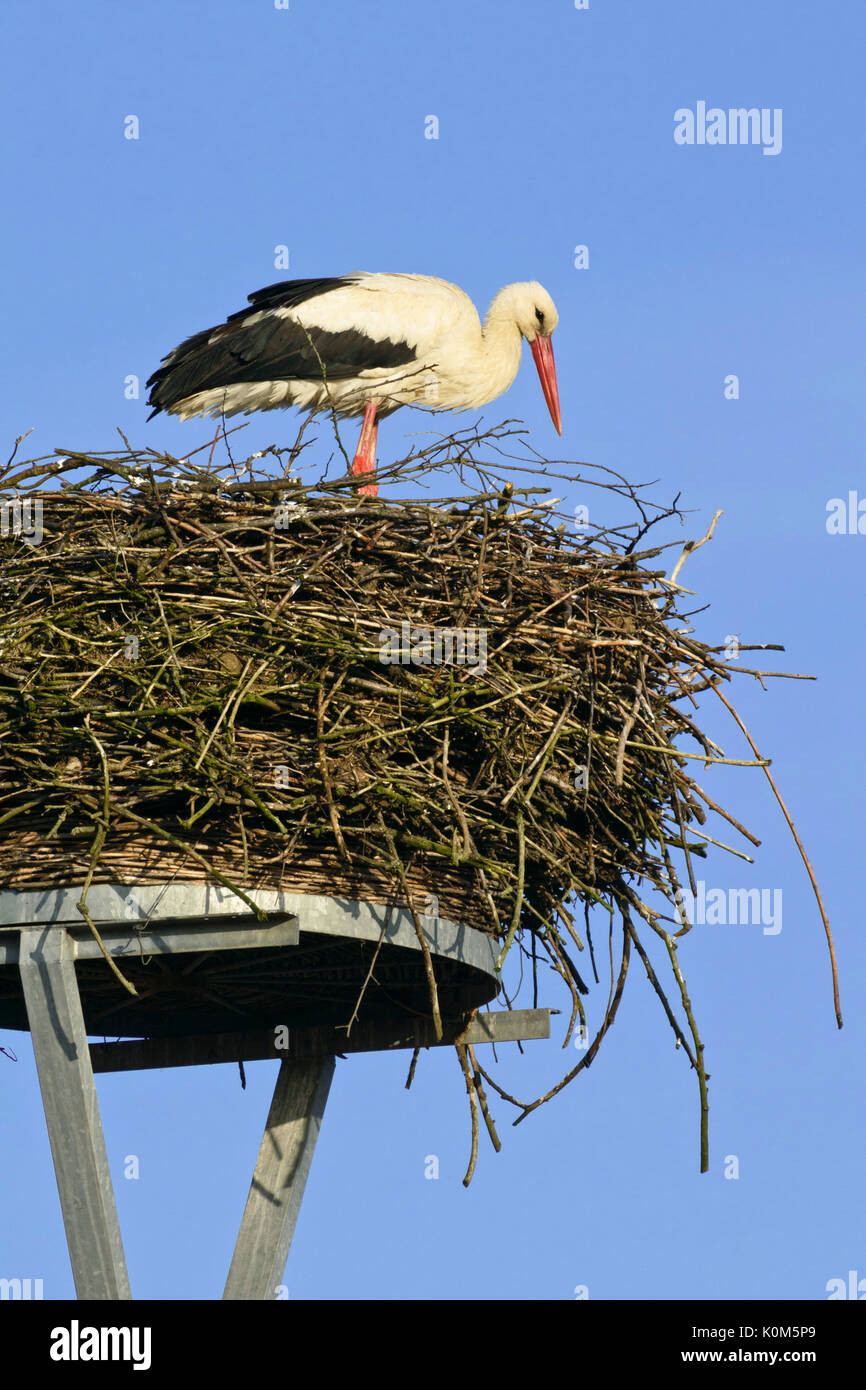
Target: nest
column 217, row 672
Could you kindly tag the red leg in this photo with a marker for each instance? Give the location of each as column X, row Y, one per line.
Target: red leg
column 365, row 454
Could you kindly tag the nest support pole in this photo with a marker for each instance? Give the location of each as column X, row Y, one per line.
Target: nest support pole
column 280, row 1175
column 47, row 967
column 46, row 941
column 63, row 1061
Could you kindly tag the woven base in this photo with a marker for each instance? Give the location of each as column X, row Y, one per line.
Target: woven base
column 29, row 861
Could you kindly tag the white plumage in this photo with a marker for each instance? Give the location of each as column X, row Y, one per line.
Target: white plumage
column 361, row 344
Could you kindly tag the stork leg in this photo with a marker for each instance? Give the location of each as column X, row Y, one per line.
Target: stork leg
column 365, row 454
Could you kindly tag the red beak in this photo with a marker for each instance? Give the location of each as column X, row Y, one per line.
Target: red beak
column 542, row 351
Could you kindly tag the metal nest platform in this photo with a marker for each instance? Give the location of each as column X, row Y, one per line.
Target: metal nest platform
column 215, row 984
column 203, row 963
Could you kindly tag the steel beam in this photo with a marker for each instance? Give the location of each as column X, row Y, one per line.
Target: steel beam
column 161, row 909
column 47, row 967
column 128, row 943
column 43, row 933
column 280, row 1175
column 506, row 1025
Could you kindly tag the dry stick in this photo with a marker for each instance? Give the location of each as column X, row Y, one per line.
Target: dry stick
column 678, row 812
column 691, row 546
column 773, row 675
column 27, row 806
column 236, row 693
column 700, row 757
column 540, row 758
column 674, row 796
column 482, row 1100
column 19, row 440
column 201, row 447
column 95, row 852
column 540, row 771
column 473, row 1107
column 217, row 541
column 559, row 966
column 576, row 999
column 369, row 974
column 412, row 1065
column 419, row 931
column 653, row 979
column 488, row 898
column 803, row 855
column 623, row 738
column 92, row 677
column 700, row 1068
column 171, row 648
column 675, row 896
column 584, row 1062
column 518, row 893
column 610, row 953
column 726, row 815
column 468, row 845
column 243, row 831
column 220, row 430
column 699, row 1053
column 326, row 780
column 730, row 848
column 512, row 1100
column 534, row 947
column 268, row 814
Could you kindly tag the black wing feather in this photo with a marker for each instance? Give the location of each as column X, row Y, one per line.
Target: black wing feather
column 273, row 349
column 287, row 294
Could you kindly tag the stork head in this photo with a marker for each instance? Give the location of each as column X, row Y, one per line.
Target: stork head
column 532, row 309
column 528, row 305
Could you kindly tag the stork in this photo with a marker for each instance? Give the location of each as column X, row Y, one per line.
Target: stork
column 361, row 344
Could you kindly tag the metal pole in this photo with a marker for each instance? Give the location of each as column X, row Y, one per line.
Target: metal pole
column 279, row 1178
column 47, row 966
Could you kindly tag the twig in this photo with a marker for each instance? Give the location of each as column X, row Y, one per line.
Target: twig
column 99, row 840
column 518, row 893
column 827, row 932
column 473, row 1109
column 691, row 546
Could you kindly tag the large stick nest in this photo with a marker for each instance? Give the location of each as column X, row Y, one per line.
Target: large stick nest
column 219, row 673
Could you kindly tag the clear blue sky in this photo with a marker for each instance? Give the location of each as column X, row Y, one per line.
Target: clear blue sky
column 305, row 127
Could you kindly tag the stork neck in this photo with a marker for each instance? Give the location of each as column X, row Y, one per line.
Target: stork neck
column 500, row 328
column 501, row 345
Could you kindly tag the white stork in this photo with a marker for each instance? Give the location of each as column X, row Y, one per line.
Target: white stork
column 361, row 344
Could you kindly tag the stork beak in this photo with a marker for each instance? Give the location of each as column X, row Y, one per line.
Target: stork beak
column 542, row 351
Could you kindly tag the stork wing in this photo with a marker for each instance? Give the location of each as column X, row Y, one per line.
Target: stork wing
column 301, row 330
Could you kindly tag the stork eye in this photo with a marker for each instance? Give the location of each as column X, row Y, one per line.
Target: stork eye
column 540, row 316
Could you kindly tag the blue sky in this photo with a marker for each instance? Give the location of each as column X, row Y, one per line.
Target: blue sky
column 304, row 128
